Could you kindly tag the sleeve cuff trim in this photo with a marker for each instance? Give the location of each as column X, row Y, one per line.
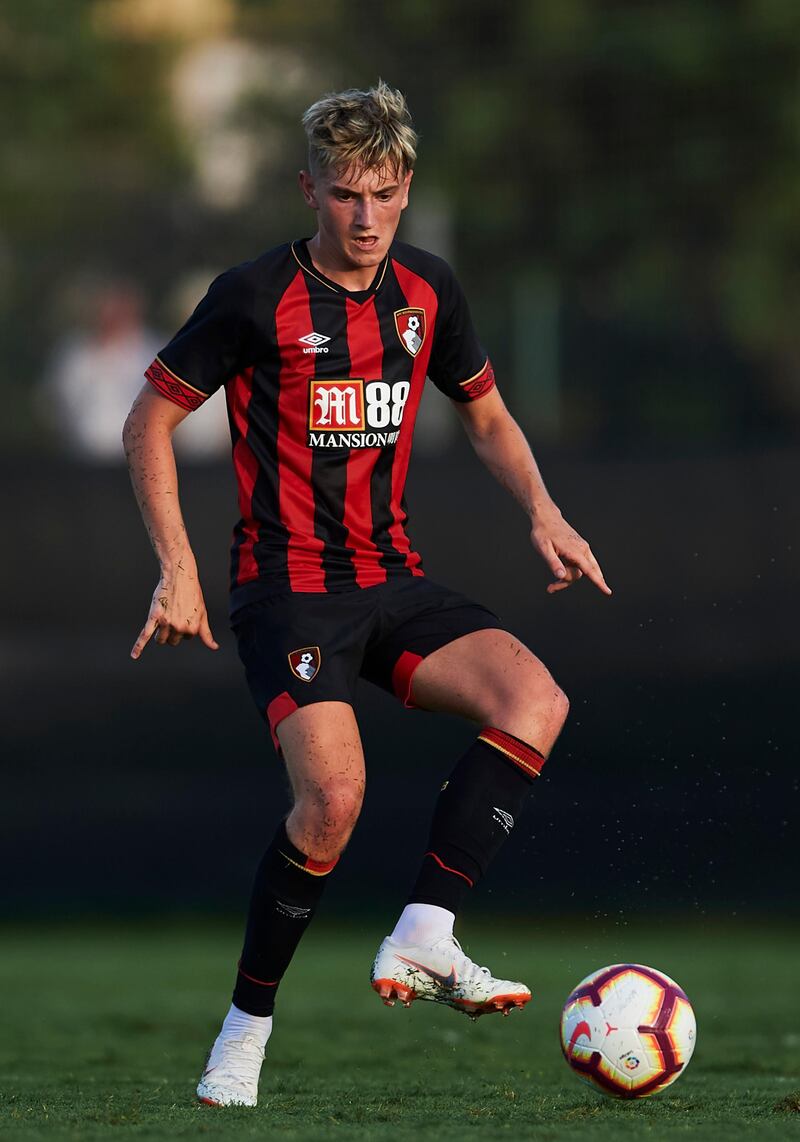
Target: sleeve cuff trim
column 169, row 385
column 480, row 384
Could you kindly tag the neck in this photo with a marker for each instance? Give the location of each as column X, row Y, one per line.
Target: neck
column 331, row 263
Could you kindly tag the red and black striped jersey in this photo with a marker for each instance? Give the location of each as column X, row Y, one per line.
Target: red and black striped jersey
column 323, row 386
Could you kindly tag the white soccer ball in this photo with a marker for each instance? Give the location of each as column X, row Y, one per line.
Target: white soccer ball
column 628, row 1030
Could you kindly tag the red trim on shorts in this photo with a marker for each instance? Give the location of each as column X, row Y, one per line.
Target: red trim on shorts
column 529, row 760
column 278, row 709
column 402, row 674
column 454, row 871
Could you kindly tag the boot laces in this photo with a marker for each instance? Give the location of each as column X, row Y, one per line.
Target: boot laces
column 241, row 1061
column 467, row 968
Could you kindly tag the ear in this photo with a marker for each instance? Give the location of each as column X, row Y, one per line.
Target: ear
column 406, row 184
column 308, row 189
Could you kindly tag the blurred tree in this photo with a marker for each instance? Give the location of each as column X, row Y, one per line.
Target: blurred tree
column 645, row 155
column 87, row 154
column 630, row 168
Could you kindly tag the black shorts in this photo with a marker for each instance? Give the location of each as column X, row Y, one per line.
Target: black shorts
column 302, row 648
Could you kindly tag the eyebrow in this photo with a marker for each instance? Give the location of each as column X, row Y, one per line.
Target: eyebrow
column 349, row 190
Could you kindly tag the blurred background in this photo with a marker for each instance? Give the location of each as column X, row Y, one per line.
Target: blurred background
column 617, row 185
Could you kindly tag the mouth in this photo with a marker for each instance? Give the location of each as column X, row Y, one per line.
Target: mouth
column 365, row 242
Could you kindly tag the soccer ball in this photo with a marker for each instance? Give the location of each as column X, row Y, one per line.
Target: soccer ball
column 628, row 1030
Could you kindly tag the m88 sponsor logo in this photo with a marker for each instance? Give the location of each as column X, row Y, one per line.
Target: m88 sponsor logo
column 354, row 413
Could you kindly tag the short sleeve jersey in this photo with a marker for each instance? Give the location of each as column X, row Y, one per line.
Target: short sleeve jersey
column 323, row 386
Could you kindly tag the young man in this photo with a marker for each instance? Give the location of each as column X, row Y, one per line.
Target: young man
column 324, row 347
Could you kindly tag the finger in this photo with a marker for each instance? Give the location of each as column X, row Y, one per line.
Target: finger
column 174, row 638
column 591, row 568
column 163, row 633
column 552, row 588
column 145, row 635
column 571, row 575
column 554, row 562
column 206, row 637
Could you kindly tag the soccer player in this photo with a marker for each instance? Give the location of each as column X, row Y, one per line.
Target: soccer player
column 323, row 346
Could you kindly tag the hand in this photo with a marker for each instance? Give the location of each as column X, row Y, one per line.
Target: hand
column 565, row 552
column 177, row 611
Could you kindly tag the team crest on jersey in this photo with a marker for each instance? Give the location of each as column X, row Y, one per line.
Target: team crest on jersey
column 410, row 325
column 305, row 662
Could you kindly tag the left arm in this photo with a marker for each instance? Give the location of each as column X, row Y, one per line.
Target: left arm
column 499, row 442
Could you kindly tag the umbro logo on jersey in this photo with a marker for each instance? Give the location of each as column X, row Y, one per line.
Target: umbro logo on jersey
column 503, row 818
column 314, row 342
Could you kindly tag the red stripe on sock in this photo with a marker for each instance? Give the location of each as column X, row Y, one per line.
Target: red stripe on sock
column 454, row 871
column 320, row 867
column 525, row 756
column 260, row 982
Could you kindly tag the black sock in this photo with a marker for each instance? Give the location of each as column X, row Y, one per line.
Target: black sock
column 476, row 810
column 286, row 892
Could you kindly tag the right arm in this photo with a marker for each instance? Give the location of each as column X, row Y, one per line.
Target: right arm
column 177, row 609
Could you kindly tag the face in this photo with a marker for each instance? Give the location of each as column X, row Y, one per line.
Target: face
column 357, row 213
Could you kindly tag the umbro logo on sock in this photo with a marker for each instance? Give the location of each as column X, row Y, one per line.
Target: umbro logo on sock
column 291, row 910
column 503, row 818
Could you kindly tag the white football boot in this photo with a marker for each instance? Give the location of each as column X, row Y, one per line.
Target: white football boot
column 441, row 972
column 231, row 1073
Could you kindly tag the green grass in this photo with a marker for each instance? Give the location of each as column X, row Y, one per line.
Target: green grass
column 104, row 1031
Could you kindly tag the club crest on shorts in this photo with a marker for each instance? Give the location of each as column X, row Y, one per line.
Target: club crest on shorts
column 410, row 325
column 305, row 662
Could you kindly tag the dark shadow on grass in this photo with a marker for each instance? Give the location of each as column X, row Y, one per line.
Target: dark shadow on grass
column 788, row 1105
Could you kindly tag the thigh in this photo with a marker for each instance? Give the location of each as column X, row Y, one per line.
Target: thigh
column 478, row 674
column 300, row 650
column 321, row 747
column 418, row 618
column 491, row 678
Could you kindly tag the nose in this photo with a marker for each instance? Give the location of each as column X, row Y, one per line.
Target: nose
column 365, row 214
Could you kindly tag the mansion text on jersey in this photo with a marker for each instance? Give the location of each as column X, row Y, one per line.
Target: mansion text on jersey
column 352, row 439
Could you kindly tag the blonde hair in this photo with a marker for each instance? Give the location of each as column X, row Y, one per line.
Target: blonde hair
column 370, row 130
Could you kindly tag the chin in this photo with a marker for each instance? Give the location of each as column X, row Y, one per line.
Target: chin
column 368, row 257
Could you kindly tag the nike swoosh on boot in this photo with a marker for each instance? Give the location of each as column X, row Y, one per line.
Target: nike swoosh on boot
column 445, row 980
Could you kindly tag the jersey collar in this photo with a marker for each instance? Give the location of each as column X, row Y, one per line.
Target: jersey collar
column 303, row 259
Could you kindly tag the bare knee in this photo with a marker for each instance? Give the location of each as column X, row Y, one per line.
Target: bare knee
column 560, row 706
column 324, row 816
column 535, row 711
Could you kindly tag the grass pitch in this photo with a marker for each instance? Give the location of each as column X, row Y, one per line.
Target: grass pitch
column 104, row 1031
